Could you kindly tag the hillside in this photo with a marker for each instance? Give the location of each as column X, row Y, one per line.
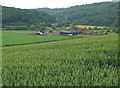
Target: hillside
column 98, row 14
column 24, row 17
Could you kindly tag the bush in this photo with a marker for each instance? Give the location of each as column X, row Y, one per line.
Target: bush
column 108, row 30
column 8, row 28
column 96, row 28
column 117, row 31
column 21, row 28
column 90, row 28
column 33, row 27
column 100, row 31
column 50, row 31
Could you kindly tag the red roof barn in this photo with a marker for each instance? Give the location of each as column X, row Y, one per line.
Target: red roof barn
column 95, row 33
column 84, row 31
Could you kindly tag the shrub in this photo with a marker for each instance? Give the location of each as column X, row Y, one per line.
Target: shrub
column 108, row 30
column 21, row 28
column 117, row 31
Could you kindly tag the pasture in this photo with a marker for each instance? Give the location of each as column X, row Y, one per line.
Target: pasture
column 22, row 37
column 89, row 61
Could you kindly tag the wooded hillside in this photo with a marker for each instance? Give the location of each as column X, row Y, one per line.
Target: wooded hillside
column 24, row 17
column 98, row 14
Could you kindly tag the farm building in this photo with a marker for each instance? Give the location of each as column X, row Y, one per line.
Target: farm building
column 84, row 31
column 72, row 30
column 95, row 33
column 52, row 34
column 55, row 24
column 69, row 33
column 79, row 31
column 39, row 33
column 49, row 28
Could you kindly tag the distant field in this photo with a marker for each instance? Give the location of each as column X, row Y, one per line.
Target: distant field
column 83, row 26
column 23, row 37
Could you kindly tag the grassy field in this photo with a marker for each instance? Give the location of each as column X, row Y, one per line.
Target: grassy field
column 22, row 37
column 89, row 61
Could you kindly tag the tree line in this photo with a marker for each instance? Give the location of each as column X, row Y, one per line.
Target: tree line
column 17, row 19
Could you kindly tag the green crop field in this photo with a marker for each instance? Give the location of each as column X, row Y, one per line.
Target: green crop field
column 89, row 61
column 11, row 38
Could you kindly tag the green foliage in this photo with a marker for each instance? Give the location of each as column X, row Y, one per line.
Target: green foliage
column 96, row 28
column 100, row 31
column 33, row 27
column 25, row 17
column 53, row 27
column 50, row 31
column 108, row 30
column 90, row 61
column 15, row 28
column 89, row 28
column 74, row 27
column 96, row 14
column 113, row 29
column 42, row 28
column 63, row 24
column 117, row 31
